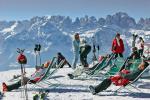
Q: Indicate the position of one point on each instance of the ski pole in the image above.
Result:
(98, 49)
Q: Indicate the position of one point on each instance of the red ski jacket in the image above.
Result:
(119, 80)
(116, 48)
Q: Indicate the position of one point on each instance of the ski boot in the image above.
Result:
(70, 76)
(36, 97)
(42, 96)
(92, 90)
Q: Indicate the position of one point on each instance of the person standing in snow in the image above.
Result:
(118, 46)
(84, 51)
(140, 46)
(76, 48)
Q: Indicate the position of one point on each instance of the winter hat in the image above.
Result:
(140, 38)
(76, 35)
(118, 34)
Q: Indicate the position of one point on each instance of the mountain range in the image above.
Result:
(55, 34)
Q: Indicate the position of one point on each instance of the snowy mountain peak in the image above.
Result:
(54, 34)
(10, 29)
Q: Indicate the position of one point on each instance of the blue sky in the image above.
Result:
(26, 9)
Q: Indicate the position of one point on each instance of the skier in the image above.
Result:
(120, 79)
(140, 46)
(60, 57)
(84, 51)
(33, 79)
(76, 47)
(117, 46)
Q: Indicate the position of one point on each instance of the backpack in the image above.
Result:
(22, 59)
(85, 50)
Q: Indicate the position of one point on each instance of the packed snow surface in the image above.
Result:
(70, 89)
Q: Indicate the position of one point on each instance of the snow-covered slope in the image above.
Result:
(76, 89)
(55, 33)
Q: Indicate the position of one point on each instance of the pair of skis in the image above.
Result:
(37, 50)
(94, 58)
(22, 61)
(134, 40)
(15, 77)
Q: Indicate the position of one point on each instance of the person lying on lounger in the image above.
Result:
(121, 79)
(33, 79)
